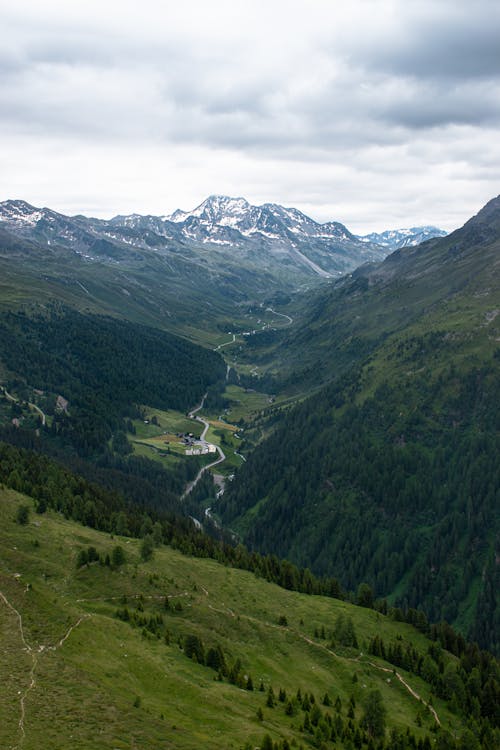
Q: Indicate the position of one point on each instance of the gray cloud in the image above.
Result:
(291, 98)
(451, 40)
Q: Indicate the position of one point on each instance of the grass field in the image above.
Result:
(245, 404)
(77, 676)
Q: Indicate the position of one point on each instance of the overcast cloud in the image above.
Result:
(376, 113)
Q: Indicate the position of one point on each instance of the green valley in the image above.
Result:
(345, 431)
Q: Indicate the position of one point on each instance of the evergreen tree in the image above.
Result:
(270, 697)
(147, 548)
(117, 556)
(22, 515)
(374, 714)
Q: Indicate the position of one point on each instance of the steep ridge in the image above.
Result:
(390, 474)
(348, 319)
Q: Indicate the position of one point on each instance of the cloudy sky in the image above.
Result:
(376, 113)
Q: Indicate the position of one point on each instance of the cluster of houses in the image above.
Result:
(201, 449)
(195, 447)
(187, 438)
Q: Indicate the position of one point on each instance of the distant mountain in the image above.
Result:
(269, 235)
(285, 234)
(208, 266)
(393, 239)
(208, 263)
(260, 247)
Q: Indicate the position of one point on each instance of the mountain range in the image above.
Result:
(393, 239)
(269, 235)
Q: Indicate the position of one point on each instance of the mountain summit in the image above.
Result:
(239, 213)
(275, 221)
(326, 250)
(269, 219)
(393, 239)
(221, 233)
(216, 209)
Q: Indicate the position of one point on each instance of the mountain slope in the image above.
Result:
(208, 264)
(451, 282)
(194, 276)
(390, 474)
(119, 649)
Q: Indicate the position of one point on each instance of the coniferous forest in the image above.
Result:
(389, 491)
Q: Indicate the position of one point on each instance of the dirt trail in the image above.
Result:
(66, 635)
(375, 666)
(315, 644)
(32, 681)
(408, 687)
(34, 654)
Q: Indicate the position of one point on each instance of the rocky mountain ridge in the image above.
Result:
(394, 239)
(267, 235)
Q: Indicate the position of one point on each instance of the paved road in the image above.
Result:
(191, 485)
(282, 315)
(222, 455)
(226, 343)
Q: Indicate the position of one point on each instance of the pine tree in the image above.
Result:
(270, 697)
(374, 714)
(22, 515)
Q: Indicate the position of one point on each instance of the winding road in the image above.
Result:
(222, 456)
(193, 414)
(282, 315)
(226, 343)
(15, 400)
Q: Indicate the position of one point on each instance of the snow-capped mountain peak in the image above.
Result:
(19, 212)
(216, 209)
(393, 239)
(222, 220)
(268, 234)
(268, 220)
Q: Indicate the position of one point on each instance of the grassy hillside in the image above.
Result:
(75, 674)
(448, 285)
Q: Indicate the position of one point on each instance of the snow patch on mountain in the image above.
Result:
(393, 239)
(20, 212)
(267, 236)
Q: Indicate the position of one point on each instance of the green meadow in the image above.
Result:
(74, 674)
